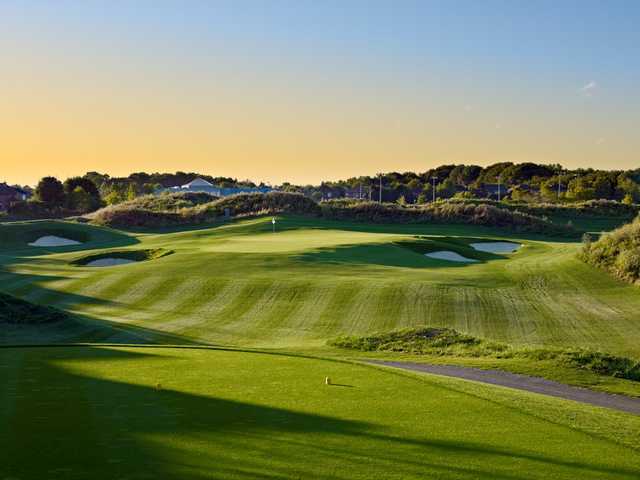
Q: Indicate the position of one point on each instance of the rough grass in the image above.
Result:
(150, 212)
(617, 252)
(16, 311)
(105, 413)
(449, 342)
(163, 211)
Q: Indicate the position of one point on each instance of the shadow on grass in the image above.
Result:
(15, 237)
(404, 254)
(61, 424)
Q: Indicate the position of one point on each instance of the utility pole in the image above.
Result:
(380, 187)
(499, 181)
(559, 179)
(434, 178)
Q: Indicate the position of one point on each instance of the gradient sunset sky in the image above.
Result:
(303, 91)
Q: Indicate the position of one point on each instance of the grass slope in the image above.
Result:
(97, 413)
(17, 311)
(241, 284)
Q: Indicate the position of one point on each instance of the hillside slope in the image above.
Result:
(617, 252)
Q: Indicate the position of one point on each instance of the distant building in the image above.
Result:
(201, 185)
(9, 195)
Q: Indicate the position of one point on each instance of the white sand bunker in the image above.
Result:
(109, 262)
(449, 256)
(496, 247)
(53, 241)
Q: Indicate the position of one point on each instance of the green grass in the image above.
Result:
(95, 412)
(239, 284)
(584, 368)
(84, 412)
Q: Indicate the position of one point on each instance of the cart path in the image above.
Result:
(524, 382)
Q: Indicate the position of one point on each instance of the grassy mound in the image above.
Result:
(16, 311)
(134, 255)
(168, 202)
(17, 235)
(482, 214)
(617, 252)
(449, 342)
(163, 212)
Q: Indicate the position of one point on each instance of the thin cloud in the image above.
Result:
(589, 89)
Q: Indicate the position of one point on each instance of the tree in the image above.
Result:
(132, 192)
(87, 185)
(113, 197)
(50, 191)
(80, 200)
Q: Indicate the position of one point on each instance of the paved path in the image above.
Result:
(525, 382)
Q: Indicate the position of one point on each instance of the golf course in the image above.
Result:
(205, 352)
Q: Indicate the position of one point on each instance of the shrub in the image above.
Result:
(184, 208)
(617, 252)
(440, 212)
(177, 209)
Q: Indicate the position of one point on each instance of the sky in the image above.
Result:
(304, 91)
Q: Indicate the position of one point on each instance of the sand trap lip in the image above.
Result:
(449, 256)
(496, 247)
(109, 262)
(53, 241)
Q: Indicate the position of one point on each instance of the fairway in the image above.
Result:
(239, 284)
(188, 413)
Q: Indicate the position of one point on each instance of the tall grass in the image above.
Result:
(449, 342)
(617, 252)
(166, 211)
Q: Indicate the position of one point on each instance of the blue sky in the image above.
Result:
(394, 85)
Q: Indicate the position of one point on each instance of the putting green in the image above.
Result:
(81, 412)
(240, 284)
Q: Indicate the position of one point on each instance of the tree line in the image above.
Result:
(523, 182)
(505, 181)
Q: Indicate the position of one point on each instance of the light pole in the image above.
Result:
(434, 178)
(559, 183)
(499, 180)
(380, 187)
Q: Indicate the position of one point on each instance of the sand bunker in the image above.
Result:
(109, 262)
(496, 247)
(53, 241)
(449, 256)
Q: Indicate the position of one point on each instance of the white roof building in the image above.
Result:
(197, 183)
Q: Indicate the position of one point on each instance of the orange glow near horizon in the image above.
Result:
(80, 96)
